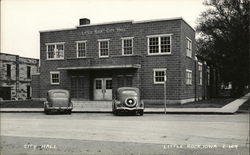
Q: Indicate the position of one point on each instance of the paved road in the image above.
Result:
(89, 133)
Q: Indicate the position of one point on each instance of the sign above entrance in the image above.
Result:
(107, 30)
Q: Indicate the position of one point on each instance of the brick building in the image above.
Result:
(93, 60)
(15, 76)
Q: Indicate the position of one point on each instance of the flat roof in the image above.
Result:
(118, 22)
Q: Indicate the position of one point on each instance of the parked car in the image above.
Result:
(58, 100)
(127, 99)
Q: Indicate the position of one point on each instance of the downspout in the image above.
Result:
(195, 83)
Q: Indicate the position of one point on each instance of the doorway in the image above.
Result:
(103, 89)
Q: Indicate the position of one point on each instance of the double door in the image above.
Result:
(103, 89)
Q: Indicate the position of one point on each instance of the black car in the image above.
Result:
(58, 100)
(127, 99)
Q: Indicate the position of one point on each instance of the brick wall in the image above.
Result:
(176, 63)
(18, 82)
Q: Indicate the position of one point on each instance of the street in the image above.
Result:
(103, 133)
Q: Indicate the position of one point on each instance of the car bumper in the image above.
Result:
(59, 108)
(129, 109)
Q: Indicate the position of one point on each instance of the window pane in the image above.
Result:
(108, 84)
(81, 49)
(159, 76)
(153, 45)
(165, 44)
(98, 84)
(127, 46)
(104, 51)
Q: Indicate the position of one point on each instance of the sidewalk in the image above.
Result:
(106, 107)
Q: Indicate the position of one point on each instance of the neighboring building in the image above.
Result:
(15, 76)
(93, 60)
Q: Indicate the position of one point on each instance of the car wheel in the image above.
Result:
(46, 111)
(141, 112)
(69, 112)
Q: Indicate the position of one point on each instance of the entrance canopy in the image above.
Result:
(135, 66)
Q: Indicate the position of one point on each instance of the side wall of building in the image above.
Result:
(18, 83)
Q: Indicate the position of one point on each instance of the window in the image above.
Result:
(28, 72)
(104, 48)
(200, 72)
(159, 76)
(188, 77)
(208, 76)
(28, 92)
(8, 68)
(108, 84)
(81, 49)
(159, 44)
(188, 47)
(55, 51)
(55, 78)
(127, 46)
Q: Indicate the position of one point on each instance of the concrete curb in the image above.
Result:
(230, 108)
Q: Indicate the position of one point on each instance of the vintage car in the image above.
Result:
(127, 99)
(58, 100)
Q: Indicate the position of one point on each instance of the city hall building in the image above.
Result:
(93, 60)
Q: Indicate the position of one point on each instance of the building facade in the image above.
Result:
(93, 60)
(15, 76)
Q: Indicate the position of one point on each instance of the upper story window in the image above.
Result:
(8, 69)
(188, 47)
(127, 46)
(81, 49)
(208, 75)
(54, 78)
(28, 72)
(188, 77)
(159, 44)
(160, 76)
(55, 51)
(103, 47)
(200, 72)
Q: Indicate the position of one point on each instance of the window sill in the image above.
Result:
(54, 84)
(159, 83)
(159, 54)
(55, 59)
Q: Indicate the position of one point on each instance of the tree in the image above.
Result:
(224, 39)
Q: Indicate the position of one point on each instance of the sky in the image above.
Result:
(21, 20)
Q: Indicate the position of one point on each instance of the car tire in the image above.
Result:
(69, 112)
(141, 112)
(46, 111)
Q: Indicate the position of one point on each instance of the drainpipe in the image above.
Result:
(17, 76)
(195, 83)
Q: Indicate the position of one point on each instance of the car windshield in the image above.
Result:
(128, 92)
(59, 95)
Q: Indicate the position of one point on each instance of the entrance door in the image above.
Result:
(77, 87)
(103, 89)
